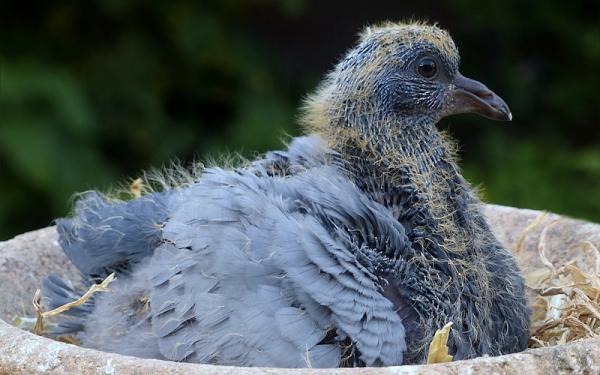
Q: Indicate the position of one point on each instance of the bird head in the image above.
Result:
(399, 75)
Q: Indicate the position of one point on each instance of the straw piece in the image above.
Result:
(136, 187)
(534, 224)
(40, 315)
(542, 246)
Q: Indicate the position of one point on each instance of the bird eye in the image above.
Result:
(427, 67)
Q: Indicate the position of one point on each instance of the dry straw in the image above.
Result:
(41, 315)
(566, 299)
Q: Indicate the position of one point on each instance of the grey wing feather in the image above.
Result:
(272, 233)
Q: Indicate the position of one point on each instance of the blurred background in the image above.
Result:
(92, 93)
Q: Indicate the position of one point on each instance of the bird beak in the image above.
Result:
(470, 96)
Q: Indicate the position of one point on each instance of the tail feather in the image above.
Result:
(106, 235)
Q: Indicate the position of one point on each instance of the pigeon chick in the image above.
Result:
(350, 248)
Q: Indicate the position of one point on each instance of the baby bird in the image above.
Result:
(350, 248)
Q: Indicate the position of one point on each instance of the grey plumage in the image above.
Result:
(349, 248)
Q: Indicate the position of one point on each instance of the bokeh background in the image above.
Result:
(92, 93)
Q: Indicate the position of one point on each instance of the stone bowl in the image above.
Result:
(25, 259)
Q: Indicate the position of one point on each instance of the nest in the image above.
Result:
(565, 300)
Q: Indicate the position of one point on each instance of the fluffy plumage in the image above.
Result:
(350, 248)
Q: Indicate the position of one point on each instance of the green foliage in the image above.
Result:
(91, 94)
(544, 176)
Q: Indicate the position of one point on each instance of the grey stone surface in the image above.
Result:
(25, 259)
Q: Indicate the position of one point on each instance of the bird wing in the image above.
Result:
(251, 275)
(244, 270)
(215, 298)
(106, 235)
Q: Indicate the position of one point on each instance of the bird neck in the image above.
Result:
(386, 151)
(409, 166)
(395, 150)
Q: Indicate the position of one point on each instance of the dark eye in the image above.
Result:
(427, 67)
